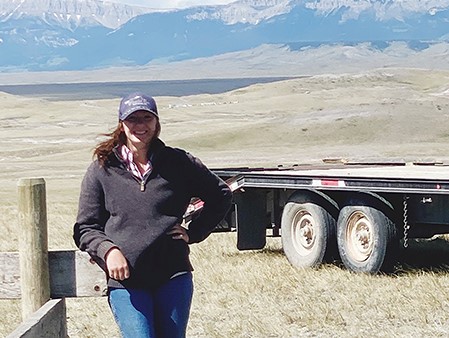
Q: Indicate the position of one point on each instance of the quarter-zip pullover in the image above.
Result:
(116, 210)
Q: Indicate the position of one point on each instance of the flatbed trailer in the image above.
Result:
(357, 213)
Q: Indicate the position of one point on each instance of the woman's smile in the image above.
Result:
(140, 127)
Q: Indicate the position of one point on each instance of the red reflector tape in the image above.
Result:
(333, 183)
(329, 183)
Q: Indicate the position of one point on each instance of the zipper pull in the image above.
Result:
(142, 185)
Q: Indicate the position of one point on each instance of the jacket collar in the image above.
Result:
(156, 146)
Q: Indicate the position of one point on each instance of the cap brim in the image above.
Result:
(129, 112)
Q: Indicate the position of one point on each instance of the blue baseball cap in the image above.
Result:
(134, 102)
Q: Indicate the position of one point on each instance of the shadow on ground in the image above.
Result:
(431, 255)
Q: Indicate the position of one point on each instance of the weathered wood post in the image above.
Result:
(33, 245)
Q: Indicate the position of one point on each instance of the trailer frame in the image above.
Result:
(354, 212)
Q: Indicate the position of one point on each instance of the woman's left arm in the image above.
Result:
(215, 194)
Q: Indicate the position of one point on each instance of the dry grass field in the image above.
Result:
(391, 113)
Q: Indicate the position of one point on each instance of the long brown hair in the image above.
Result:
(115, 138)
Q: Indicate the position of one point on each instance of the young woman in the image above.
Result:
(133, 198)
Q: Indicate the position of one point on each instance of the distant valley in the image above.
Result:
(262, 61)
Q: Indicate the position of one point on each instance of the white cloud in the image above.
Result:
(172, 3)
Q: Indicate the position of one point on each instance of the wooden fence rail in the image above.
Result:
(72, 274)
(48, 321)
(39, 277)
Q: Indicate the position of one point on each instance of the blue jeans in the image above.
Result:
(163, 312)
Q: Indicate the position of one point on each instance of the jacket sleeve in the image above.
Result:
(215, 194)
(88, 231)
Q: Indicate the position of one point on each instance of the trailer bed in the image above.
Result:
(392, 178)
(413, 172)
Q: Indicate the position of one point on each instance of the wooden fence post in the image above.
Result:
(33, 245)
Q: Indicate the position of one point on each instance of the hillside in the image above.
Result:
(399, 114)
(263, 61)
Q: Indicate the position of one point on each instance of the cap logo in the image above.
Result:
(137, 100)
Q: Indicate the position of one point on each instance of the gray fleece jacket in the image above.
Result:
(117, 210)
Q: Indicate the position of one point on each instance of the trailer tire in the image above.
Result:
(308, 230)
(367, 238)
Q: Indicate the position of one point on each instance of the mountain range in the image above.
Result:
(48, 35)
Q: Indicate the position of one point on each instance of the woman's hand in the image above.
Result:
(117, 265)
(179, 232)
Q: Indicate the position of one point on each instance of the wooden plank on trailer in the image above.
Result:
(72, 274)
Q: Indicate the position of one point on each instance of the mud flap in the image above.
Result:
(252, 220)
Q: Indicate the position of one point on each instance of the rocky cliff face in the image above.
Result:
(83, 34)
(70, 14)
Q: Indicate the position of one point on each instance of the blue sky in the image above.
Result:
(172, 3)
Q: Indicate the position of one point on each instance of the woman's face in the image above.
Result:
(140, 128)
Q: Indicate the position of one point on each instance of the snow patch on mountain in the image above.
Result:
(71, 14)
(86, 34)
(245, 11)
(383, 10)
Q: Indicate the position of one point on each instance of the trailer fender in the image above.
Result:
(308, 228)
(371, 198)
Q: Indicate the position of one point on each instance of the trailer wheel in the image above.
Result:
(367, 239)
(308, 232)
